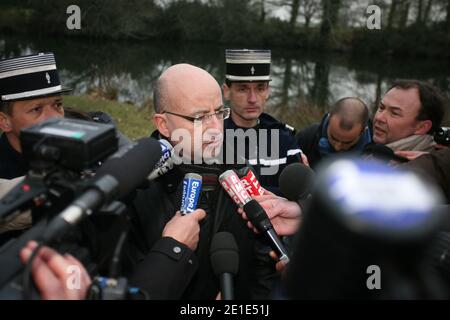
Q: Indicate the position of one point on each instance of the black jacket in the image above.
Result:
(259, 154)
(154, 206)
(12, 164)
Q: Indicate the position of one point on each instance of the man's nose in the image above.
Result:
(215, 123)
(380, 116)
(252, 96)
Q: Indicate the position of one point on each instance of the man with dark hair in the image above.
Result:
(407, 116)
(247, 89)
(344, 129)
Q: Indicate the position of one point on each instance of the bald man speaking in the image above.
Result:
(189, 113)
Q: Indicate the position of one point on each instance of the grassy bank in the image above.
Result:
(136, 122)
(132, 121)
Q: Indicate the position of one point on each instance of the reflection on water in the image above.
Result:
(303, 86)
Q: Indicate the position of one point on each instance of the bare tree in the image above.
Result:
(308, 10)
(295, 6)
(426, 14)
(447, 18)
(419, 17)
(406, 5)
(330, 14)
(392, 14)
(262, 16)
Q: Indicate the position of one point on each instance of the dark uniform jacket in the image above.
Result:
(313, 142)
(259, 154)
(12, 164)
(194, 279)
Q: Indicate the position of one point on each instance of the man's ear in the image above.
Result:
(5, 122)
(226, 91)
(423, 127)
(160, 122)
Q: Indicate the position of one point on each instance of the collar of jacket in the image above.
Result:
(265, 120)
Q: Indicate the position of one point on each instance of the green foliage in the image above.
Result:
(239, 23)
(191, 21)
(230, 22)
(15, 20)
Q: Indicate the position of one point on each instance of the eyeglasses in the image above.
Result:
(221, 114)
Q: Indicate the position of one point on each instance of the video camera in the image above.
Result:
(442, 136)
(62, 155)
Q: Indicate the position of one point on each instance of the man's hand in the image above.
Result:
(304, 159)
(281, 264)
(285, 215)
(410, 155)
(440, 146)
(56, 275)
(185, 228)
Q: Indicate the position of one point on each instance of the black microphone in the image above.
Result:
(439, 255)
(261, 222)
(115, 179)
(366, 216)
(296, 181)
(224, 254)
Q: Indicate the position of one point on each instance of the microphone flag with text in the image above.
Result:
(258, 217)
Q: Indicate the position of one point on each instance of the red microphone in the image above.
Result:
(233, 186)
(258, 217)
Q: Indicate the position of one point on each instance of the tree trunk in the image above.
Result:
(325, 27)
(320, 90)
(378, 92)
(262, 17)
(307, 20)
(330, 14)
(295, 6)
(419, 12)
(426, 14)
(286, 82)
(392, 14)
(405, 13)
(447, 20)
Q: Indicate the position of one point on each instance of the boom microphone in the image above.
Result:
(116, 178)
(258, 217)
